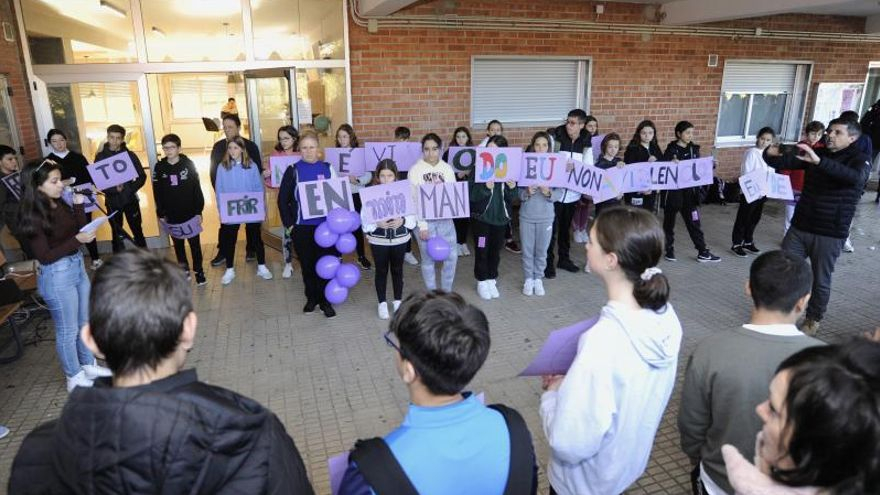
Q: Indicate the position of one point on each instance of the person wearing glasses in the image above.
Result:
(448, 436)
(53, 230)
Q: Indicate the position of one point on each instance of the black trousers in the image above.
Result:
(487, 257)
(462, 225)
(132, 213)
(747, 217)
(195, 248)
(682, 202)
(308, 253)
(359, 233)
(640, 200)
(229, 234)
(389, 258)
(248, 247)
(561, 233)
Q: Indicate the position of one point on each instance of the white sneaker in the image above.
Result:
(228, 276)
(264, 272)
(587, 267)
(493, 289)
(288, 271)
(395, 306)
(409, 258)
(539, 287)
(383, 311)
(94, 371)
(97, 264)
(848, 247)
(529, 287)
(78, 380)
(483, 289)
(463, 250)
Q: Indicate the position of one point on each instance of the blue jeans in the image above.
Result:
(65, 287)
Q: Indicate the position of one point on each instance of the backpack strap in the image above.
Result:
(522, 476)
(378, 466)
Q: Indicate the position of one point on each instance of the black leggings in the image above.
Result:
(308, 252)
(229, 236)
(487, 257)
(195, 248)
(359, 233)
(389, 257)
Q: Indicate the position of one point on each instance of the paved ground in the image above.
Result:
(331, 382)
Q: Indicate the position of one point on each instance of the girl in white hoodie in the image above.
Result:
(749, 214)
(601, 417)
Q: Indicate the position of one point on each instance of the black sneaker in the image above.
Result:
(739, 251)
(310, 307)
(568, 266)
(218, 260)
(549, 274)
(513, 247)
(250, 257)
(364, 263)
(707, 257)
(328, 310)
(200, 279)
(750, 247)
(670, 255)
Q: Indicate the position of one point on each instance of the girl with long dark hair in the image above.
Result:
(643, 147)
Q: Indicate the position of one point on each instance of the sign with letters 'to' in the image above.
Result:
(113, 171)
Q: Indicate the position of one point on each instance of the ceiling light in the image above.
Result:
(112, 9)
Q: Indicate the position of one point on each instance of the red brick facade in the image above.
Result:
(12, 66)
(421, 77)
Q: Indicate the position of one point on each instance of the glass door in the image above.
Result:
(270, 94)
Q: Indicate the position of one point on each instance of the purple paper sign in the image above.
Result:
(586, 179)
(664, 176)
(278, 164)
(753, 185)
(13, 183)
(317, 198)
(113, 171)
(558, 352)
(698, 172)
(543, 169)
(636, 177)
(611, 186)
(779, 187)
(404, 154)
(596, 144)
(89, 191)
(185, 230)
(444, 200)
(498, 164)
(462, 158)
(241, 207)
(346, 161)
(385, 201)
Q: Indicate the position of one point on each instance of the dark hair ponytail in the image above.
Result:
(635, 236)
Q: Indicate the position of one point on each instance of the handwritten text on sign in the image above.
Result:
(241, 207)
(444, 200)
(404, 154)
(497, 164)
(543, 169)
(185, 230)
(760, 183)
(113, 171)
(316, 198)
(278, 164)
(346, 161)
(386, 201)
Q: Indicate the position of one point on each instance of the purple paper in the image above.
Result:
(753, 185)
(543, 169)
(779, 187)
(385, 201)
(444, 200)
(596, 143)
(13, 183)
(558, 352)
(113, 171)
(664, 176)
(91, 202)
(278, 164)
(241, 207)
(346, 161)
(185, 230)
(636, 177)
(498, 164)
(462, 158)
(317, 198)
(698, 172)
(337, 465)
(404, 154)
(612, 185)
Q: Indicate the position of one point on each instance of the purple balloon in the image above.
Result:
(324, 237)
(348, 275)
(327, 266)
(335, 293)
(355, 220)
(339, 221)
(346, 243)
(438, 248)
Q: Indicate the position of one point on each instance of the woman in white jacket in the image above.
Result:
(601, 417)
(749, 214)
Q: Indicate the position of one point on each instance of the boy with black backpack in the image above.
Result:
(449, 442)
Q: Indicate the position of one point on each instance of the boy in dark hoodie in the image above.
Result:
(123, 198)
(179, 198)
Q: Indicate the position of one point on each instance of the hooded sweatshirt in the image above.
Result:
(601, 422)
(114, 198)
(424, 173)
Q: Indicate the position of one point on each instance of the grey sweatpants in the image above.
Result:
(446, 230)
(822, 252)
(535, 239)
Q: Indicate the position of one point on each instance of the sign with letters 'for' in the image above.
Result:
(113, 171)
(241, 207)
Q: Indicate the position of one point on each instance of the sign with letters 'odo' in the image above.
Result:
(241, 207)
(113, 171)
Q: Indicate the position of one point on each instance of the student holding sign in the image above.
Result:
(608, 159)
(749, 214)
(461, 136)
(288, 144)
(73, 166)
(491, 207)
(600, 418)
(643, 148)
(346, 138)
(536, 215)
(10, 196)
(178, 196)
(53, 230)
(123, 198)
(238, 173)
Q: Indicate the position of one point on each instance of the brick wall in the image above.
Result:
(421, 77)
(12, 66)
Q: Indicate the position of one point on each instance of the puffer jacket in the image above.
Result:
(832, 189)
(119, 199)
(175, 435)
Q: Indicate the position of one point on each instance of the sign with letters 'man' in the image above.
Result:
(113, 171)
(386, 201)
(444, 200)
(317, 198)
(241, 207)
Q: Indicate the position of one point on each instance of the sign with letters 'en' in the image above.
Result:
(497, 164)
(404, 154)
(241, 207)
(317, 198)
(346, 161)
(760, 183)
(444, 200)
(113, 171)
(278, 164)
(185, 230)
(386, 201)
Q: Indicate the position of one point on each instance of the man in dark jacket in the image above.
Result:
(153, 428)
(123, 198)
(834, 179)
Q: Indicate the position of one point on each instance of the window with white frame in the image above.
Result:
(759, 94)
(193, 97)
(523, 91)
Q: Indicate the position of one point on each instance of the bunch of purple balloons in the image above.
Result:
(337, 230)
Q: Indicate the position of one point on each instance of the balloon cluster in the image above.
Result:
(337, 231)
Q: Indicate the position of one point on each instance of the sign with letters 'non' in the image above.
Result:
(113, 171)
